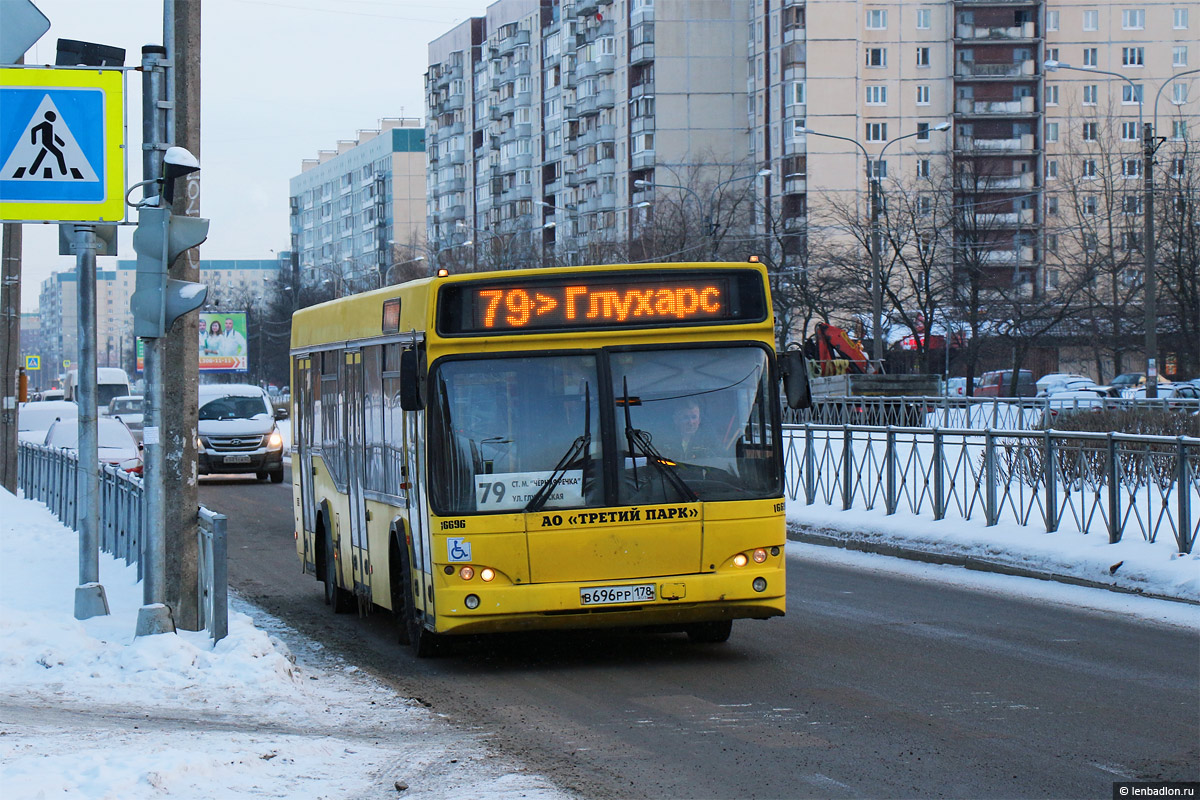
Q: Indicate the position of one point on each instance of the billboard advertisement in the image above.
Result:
(222, 344)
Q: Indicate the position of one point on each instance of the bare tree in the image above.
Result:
(1178, 250)
(1093, 235)
(994, 274)
(918, 258)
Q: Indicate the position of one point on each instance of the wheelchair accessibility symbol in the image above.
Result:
(458, 549)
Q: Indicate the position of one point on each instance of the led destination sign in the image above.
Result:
(602, 300)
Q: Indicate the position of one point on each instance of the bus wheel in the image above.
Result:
(424, 642)
(335, 596)
(401, 603)
(710, 632)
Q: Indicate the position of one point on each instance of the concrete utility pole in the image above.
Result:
(181, 31)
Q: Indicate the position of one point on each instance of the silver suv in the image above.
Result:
(237, 432)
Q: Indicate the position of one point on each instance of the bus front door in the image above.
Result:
(360, 557)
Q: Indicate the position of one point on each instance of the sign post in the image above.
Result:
(62, 159)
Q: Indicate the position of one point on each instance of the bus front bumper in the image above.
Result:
(678, 600)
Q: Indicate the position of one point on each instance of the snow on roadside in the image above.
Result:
(87, 710)
(1153, 568)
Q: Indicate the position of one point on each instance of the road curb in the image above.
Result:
(847, 540)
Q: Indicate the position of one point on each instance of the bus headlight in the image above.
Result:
(466, 573)
(472, 601)
(760, 555)
(760, 584)
(740, 560)
(487, 574)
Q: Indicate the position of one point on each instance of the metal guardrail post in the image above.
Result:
(847, 467)
(889, 464)
(1050, 475)
(1114, 495)
(810, 466)
(1184, 535)
(939, 476)
(991, 512)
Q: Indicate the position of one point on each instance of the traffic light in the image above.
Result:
(160, 238)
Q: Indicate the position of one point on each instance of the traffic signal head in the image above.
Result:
(160, 238)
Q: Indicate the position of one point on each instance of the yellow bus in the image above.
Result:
(543, 449)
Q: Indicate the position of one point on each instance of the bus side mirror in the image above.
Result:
(794, 372)
(412, 379)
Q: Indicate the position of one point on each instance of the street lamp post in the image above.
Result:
(387, 277)
(876, 265)
(1150, 146)
(710, 211)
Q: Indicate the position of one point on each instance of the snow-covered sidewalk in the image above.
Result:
(88, 711)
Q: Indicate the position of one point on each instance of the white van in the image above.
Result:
(110, 382)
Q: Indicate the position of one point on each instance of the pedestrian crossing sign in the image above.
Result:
(62, 144)
(33, 362)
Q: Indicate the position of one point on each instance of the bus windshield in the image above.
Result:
(682, 425)
(694, 424)
(500, 428)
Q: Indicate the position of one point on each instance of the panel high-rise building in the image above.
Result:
(560, 121)
(358, 212)
(543, 116)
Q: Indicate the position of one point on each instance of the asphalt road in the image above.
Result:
(872, 686)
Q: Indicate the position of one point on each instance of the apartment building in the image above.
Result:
(551, 123)
(883, 76)
(561, 121)
(359, 210)
(232, 283)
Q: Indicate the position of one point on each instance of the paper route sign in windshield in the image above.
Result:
(512, 491)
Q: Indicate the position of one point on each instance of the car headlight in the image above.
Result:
(274, 441)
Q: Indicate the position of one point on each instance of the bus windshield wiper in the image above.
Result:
(578, 449)
(639, 440)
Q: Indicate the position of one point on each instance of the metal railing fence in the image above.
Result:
(48, 474)
(1001, 413)
(1110, 482)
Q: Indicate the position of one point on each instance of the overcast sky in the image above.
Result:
(281, 80)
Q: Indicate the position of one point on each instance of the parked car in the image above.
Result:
(1055, 381)
(237, 432)
(130, 409)
(34, 419)
(998, 383)
(1129, 380)
(1091, 398)
(1176, 395)
(52, 394)
(115, 443)
(956, 387)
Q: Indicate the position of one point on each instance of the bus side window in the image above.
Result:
(393, 424)
(373, 415)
